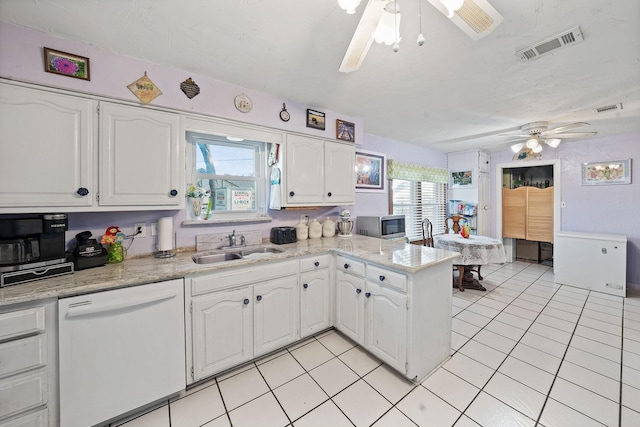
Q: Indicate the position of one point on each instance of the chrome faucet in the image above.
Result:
(233, 242)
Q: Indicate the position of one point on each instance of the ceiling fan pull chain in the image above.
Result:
(420, 36)
(396, 30)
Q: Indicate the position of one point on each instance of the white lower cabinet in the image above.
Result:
(222, 331)
(316, 294)
(350, 305)
(402, 318)
(240, 314)
(370, 313)
(28, 359)
(386, 324)
(275, 314)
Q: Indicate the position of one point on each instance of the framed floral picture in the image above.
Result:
(66, 64)
(370, 171)
(463, 178)
(607, 173)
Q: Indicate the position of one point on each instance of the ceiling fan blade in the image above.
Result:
(363, 36)
(573, 135)
(477, 18)
(513, 135)
(563, 128)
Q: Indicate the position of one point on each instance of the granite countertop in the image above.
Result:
(148, 269)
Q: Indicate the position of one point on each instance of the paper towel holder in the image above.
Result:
(165, 238)
(165, 254)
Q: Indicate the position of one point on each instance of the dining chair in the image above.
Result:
(455, 223)
(427, 233)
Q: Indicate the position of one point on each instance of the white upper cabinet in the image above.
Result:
(339, 166)
(46, 150)
(58, 152)
(318, 172)
(140, 157)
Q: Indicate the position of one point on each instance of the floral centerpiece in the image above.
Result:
(112, 239)
(195, 195)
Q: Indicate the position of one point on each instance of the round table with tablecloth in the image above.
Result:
(475, 251)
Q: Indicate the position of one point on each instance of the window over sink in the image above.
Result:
(232, 171)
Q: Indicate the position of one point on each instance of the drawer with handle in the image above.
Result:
(349, 265)
(387, 278)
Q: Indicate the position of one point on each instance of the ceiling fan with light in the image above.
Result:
(380, 21)
(535, 133)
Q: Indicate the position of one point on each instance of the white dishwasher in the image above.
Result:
(120, 350)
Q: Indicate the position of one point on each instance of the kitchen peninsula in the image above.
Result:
(393, 299)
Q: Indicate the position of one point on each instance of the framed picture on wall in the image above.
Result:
(463, 178)
(315, 119)
(66, 64)
(345, 130)
(370, 171)
(607, 173)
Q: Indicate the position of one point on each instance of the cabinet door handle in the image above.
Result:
(82, 191)
(173, 193)
(291, 193)
(259, 297)
(368, 294)
(381, 278)
(306, 285)
(346, 266)
(329, 194)
(246, 301)
(317, 264)
(358, 290)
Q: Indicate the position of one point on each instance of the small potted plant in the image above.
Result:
(195, 195)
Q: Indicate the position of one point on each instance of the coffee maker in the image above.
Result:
(32, 246)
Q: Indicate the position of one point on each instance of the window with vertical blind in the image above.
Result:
(418, 192)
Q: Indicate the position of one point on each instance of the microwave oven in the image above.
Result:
(384, 227)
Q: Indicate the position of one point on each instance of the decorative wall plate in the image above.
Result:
(243, 103)
(145, 89)
(190, 88)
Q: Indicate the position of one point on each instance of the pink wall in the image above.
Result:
(608, 209)
(22, 59)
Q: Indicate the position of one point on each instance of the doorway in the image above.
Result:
(509, 243)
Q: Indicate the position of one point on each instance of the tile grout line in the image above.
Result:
(547, 397)
(621, 363)
(507, 355)
(562, 359)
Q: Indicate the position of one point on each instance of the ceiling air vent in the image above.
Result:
(608, 108)
(544, 47)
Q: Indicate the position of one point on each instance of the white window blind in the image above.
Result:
(418, 200)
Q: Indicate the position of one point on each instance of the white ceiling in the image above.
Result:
(452, 94)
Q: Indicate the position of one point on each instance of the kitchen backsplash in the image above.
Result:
(207, 242)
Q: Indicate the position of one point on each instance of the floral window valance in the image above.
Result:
(416, 172)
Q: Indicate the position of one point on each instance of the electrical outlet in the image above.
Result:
(143, 229)
(154, 229)
(304, 218)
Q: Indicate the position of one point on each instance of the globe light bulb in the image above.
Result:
(420, 39)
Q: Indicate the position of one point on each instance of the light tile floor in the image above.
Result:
(526, 352)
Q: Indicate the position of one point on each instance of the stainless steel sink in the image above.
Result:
(212, 258)
(261, 250)
(216, 257)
